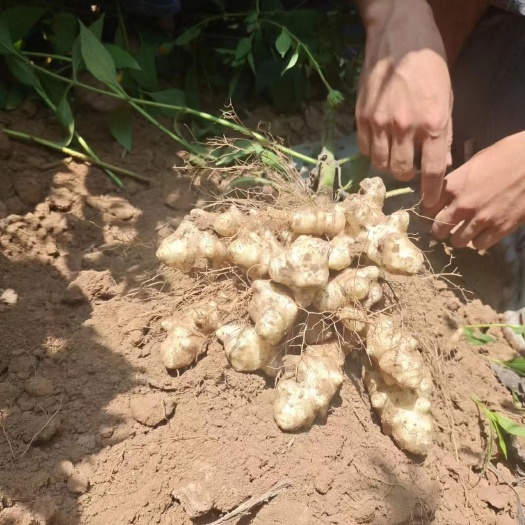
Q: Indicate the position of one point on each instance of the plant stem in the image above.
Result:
(400, 191)
(75, 154)
(182, 109)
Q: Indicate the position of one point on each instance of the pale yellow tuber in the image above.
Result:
(272, 310)
(351, 285)
(253, 252)
(303, 267)
(247, 351)
(310, 382)
(228, 223)
(395, 352)
(316, 221)
(187, 335)
(187, 247)
(387, 244)
(343, 250)
(405, 414)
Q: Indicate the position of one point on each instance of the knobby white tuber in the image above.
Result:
(351, 285)
(388, 245)
(247, 351)
(405, 414)
(253, 252)
(343, 250)
(188, 246)
(187, 335)
(319, 222)
(310, 382)
(309, 259)
(303, 267)
(399, 386)
(272, 310)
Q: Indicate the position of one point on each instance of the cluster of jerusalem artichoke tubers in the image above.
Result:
(315, 270)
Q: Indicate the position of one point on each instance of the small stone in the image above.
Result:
(121, 209)
(21, 366)
(151, 409)
(61, 199)
(77, 483)
(323, 481)
(195, 500)
(492, 495)
(105, 431)
(9, 296)
(39, 386)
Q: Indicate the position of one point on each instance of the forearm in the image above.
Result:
(456, 20)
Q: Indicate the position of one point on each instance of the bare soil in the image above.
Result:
(94, 431)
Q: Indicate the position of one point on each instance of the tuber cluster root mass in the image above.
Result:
(314, 276)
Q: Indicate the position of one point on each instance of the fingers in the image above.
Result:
(380, 149)
(433, 167)
(446, 220)
(467, 232)
(489, 237)
(402, 157)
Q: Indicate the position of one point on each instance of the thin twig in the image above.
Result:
(253, 502)
(400, 191)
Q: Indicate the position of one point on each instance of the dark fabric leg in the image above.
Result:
(489, 84)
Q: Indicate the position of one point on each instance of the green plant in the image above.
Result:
(47, 52)
(476, 334)
(499, 426)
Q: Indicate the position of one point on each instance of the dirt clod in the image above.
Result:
(323, 481)
(22, 366)
(61, 199)
(195, 499)
(39, 386)
(151, 409)
(77, 483)
(9, 296)
(494, 496)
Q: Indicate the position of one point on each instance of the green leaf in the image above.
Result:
(501, 439)
(97, 27)
(188, 36)
(292, 61)
(251, 61)
(20, 20)
(172, 97)
(283, 42)
(22, 71)
(243, 48)
(97, 59)
(76, 55)
(477, 338)
(121, 57)
(520, 330)
(147, 76)
(64, 27)
(6, 45)
(65, 116)
(517, 364)
(509, 426)
(120, 123)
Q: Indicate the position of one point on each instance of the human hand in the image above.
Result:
(404, 102)
(483, 200)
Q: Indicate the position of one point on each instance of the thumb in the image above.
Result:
(449, 142)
